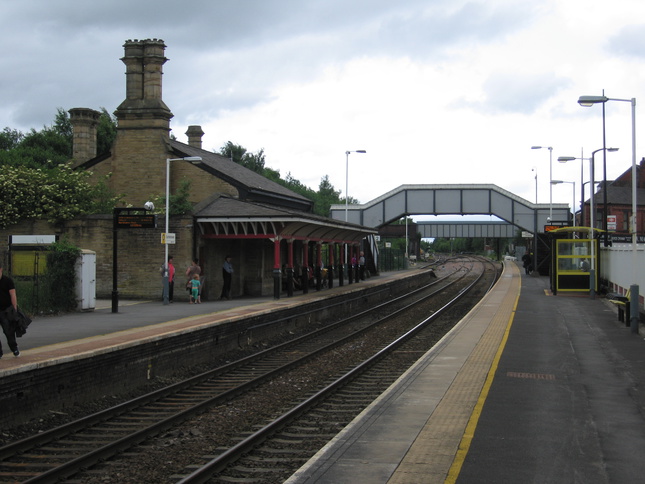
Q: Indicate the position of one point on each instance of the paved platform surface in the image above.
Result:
(54, 339)
(529, 387)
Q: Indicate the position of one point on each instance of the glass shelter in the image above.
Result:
(575, 260)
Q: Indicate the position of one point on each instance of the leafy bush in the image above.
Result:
(52, 194)
(60, 279)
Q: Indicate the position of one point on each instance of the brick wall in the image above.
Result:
(139, 251)
(140, 255)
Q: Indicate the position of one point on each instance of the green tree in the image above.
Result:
(178, 203)
(105, 132)
(9, 139)
(36, 180)
(326, 196)
(55, 195)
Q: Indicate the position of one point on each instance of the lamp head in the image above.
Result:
(613, 149)
(556, 182)
(588, 101)
(564, 159)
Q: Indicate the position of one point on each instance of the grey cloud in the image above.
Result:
(516, 93)
(630, 41)
(224, 54)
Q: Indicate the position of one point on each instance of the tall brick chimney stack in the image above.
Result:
(195, 134)
(143, 106)
(84, 122)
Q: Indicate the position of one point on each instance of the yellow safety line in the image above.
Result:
(469, 432)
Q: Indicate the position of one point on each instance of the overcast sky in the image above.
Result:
(436, 91)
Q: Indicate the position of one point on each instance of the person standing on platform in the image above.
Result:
(361, 266)
(8, 311)
(354, 269)
(190, 272)
(170, 268)
(227, 274)
(194, 296)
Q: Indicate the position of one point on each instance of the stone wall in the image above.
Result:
(139, 251)
(140, 255)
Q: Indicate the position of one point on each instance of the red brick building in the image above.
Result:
(619, 204)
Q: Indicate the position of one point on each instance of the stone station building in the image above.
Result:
(270, 231)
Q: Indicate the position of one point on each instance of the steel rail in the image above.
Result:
(109, 450)
(216, 465)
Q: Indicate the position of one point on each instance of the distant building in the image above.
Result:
(619, 204)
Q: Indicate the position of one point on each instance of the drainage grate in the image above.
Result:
(532, 376)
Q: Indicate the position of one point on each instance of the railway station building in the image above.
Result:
(271, 233)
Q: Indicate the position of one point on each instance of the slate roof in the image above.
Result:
(251, 185)
(618, 195)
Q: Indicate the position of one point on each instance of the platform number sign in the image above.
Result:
(168, 238)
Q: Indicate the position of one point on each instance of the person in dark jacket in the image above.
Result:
(526, 262)
(227, 275)
(8, 311)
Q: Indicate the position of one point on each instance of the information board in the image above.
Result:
(126, 221)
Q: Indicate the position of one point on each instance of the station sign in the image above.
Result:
(128, 221)
(611, 223)
(555, 226)
(168, 238)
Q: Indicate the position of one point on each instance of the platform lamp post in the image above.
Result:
(347, 177)
(634, 305)
(573, 204)
(192, 159)
(592, 217)
(347, 191)
(550, 148)
(564, 159)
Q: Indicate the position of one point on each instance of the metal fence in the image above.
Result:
(391, 259)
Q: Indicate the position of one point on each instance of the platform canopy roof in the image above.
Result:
(226, 217)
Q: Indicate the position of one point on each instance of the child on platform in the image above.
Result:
(194, 290)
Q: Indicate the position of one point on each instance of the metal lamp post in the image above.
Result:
(634, 303)
(347, 177)
(347, 192)
(573, 204)
(550, 148)
(564, 159)
(192, 159)
(592, 216)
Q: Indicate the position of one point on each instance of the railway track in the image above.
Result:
(275, 451)
(61, 453)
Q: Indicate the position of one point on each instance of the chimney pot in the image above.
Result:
(195, 134)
